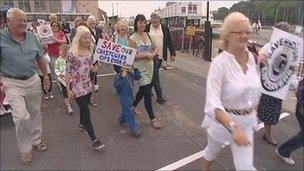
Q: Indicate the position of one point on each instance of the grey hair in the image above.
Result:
(284, 26)
(10, 12)
(154, 14)
(91, 17)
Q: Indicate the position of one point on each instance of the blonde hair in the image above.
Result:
(80, 31)
(53, 17)
(121, 22)
(229, 22)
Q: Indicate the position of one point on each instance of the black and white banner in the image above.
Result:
(284, 51)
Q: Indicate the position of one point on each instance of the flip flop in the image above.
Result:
(94, 103)
(41, 146)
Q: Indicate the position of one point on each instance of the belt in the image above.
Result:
(240, 111)
(25, 77)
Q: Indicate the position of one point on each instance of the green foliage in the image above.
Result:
(268, 12)
(221, 13)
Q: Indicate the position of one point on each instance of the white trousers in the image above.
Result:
(242, 155)
(24, 96)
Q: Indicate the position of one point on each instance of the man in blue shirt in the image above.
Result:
(20, 53)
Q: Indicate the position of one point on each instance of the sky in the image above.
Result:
(132, 8)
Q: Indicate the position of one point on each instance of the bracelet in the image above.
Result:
(46, 77)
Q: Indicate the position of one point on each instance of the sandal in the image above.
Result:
(94, 103)
(137, 111)
(41, 146)
(156, 124)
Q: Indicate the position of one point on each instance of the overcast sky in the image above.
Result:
(132, 8)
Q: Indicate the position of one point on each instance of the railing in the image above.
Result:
(182, 41)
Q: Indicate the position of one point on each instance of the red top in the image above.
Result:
(53, 49)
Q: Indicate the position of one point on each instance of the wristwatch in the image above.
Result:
(231, 126)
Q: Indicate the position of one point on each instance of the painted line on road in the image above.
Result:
(198, 155)
(112, 74)
(182, 162)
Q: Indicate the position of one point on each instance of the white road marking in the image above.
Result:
(182, 162)
(198, 155)
(111, 74)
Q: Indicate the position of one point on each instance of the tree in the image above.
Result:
(221, 13)
(268, 12)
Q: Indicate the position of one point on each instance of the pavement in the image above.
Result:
(177, 145)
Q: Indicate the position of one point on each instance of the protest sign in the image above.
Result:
(113, 53)
(285, 51)
(45, 34)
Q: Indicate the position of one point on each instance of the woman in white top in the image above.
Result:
(232, 95)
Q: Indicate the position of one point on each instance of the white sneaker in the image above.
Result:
(287, 160)
(70, 110)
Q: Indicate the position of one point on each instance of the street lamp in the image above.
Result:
(113, 8)
(208, 37)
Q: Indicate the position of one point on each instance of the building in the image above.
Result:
(53, 6)
(86, 6)
(182, 14)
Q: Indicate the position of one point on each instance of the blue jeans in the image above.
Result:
(298, 140)
(127, 115)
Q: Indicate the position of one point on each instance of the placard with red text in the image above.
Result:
(113, 53)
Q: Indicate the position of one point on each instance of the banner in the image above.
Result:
(114, 53)
(45, 34)
(285, 51)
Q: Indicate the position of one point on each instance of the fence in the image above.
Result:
(182, 41)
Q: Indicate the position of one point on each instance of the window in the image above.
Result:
(21, 4)
(8, 3)
(183, 10)
(38, 3)
(194, 8)
(189, 9)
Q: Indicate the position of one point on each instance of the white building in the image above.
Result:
(181, 14)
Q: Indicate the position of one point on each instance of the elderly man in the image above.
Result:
(20, 52)
(161, 38)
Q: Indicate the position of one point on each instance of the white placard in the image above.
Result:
(114, 53)
(285, 51)
(45, 34)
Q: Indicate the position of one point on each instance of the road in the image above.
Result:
(181, 137)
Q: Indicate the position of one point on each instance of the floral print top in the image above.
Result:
(78, 68)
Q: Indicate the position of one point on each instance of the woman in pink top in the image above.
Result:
(53, 49)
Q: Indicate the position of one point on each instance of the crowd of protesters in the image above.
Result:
(69, 62)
